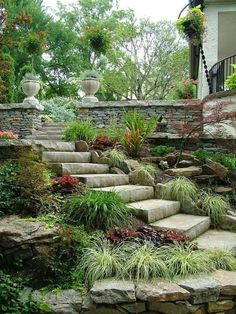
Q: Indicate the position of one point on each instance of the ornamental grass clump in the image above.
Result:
(222, 259)
(180, 189)
(145, 264)
(144, 168)
(101, 261)
(79, 130)
(184, 260)
(117, 157)
(97, 210)
(214, 206)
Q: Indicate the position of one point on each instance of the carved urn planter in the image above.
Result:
(30, 86)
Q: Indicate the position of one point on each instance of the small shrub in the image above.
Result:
(102, 142)
(145, 264)
(8, 135)
(77, 130)
(231, 80)
(214, 206)
(119, 235)
(101, 261)
(184, 260)
(222, 259)
(185, 90)
(180, 189)
(146, 168)
(117, 157)
(97, 210)
(59, 109)
(161, 150)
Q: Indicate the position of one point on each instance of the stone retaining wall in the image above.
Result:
(174, 112)
(214, 293)
(22, 119)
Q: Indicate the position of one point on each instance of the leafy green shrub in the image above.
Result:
(79, 130)
(97, 210)
(59, 109)
(115, 132)
(117, 157)
(145, 264)
(146, 168)
(184, 260)
(161, 150)
(214, 206)
(222, 259)
(228, 160)
(231, 80)
(180, 189)
(184, 90)
(10, 302)
(9, 187)
(101, 261)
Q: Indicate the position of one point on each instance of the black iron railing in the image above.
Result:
(219, 73)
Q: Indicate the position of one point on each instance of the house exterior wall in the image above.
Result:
(211, 42)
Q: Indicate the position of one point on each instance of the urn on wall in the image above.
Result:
(90, 85)
(30, 86)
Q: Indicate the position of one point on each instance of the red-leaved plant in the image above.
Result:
(102, 142)
(8, 135)
(65, 184)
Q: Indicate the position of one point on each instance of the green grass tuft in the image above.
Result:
(146, 168)
(222, 259)
(117, 157)
(79, 130)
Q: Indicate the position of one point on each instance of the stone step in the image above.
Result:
(66, 157)
(53, 132)
(79, 168)
(54, 125)
(131, 193)
(48, 137)
(217, 239)
(153, 209)
(47, 145)
(103, 180)
(192, 226)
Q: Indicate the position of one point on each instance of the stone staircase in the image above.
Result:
(159, 214)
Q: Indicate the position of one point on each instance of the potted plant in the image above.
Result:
(90, 85)
(192, 26)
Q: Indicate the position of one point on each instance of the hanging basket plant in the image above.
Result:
(192, 26)
(98, 39)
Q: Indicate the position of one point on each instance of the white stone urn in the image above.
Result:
(30, 86)
(90, 86)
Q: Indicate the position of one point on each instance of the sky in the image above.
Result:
(154, 9)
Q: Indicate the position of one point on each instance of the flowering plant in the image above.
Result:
(8, 135)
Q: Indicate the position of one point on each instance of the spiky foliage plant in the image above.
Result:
(214, 206)
(117, 157)
(97, 210)
(101, 261)
(184, 260)
(222, 259)
(79, 130)
(180, 189)
(145, 264)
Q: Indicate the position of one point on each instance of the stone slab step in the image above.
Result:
(79, 168)
(48, 137)
(54, 124)
(103, 180)
(66, 157)
(153, 209)
(192, 226)
(131, 193)
(220, 239)
(47, 145)
(53, 132)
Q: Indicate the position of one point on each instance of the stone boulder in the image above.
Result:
(141, 178)
(184, 172)
(220, 170)
(228, 222)
(22, 238)
(81, 146)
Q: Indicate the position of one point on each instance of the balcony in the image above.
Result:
(219, 73)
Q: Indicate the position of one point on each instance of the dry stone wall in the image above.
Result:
(101, 113)
(22, 119)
